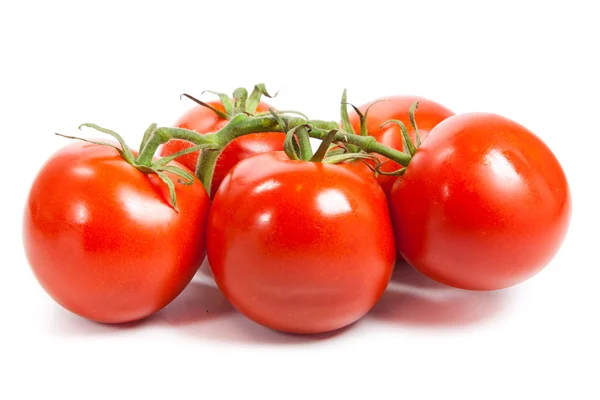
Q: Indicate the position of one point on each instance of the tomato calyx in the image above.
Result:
(242, 121)
(410, 148)
(362, 117)
(297, 144)
(240, 103)
(224, 101)
(411, 115)
(141, 162)
(297, 140)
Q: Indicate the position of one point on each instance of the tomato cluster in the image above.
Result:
(296, 241)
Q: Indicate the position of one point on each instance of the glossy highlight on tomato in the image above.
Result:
(284, 247)
(428, 115)
(103, 239)
(203, 120)
(483, 205)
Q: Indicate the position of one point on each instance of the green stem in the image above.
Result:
(322, 150)
(205, 168)
(163, 135)
(184, 134)
(366, 143)
(243, 124)
(304, 143)
(149, 149)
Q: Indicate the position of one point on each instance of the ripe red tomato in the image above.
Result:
(283, 245)
(103, 239)
(203, 120)
(429, 114)
(483, 205)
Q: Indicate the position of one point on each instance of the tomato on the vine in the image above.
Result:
(204, 120)
(484, 204)
(103, 238)
(284, 247)
(429, 114)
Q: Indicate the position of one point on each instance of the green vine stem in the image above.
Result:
(211, 145)
(163, 135)
(243, 120)
(367, 144)
(205, 168)
(243, 124)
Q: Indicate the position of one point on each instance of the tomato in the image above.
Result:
(103, 239)
(283, 246)
(428, 115)
(204, 120)
(483, 205)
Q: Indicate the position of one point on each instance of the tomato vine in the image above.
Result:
(243, 121)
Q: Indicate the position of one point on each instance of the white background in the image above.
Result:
(123, 65)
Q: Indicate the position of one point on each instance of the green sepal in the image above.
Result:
(220, 113)
(147, 135)
(90, 141)
(411, 115)
(337, 152)
(282, 123)
(127, 154)
(363, 118)
(240, 96)
(397, 172)
(335, 159)
(290, 147)
(408, 144)
(225, 100)
(158, 167)
(187, 177)
(346, 125)
(304, 145)
(145, 169)
(297, 143)
(324, 146)
(167, 159)
(163, 177)
(283, 112)
(254, 98)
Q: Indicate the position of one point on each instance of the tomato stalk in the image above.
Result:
(240, 110)
(246, 124)
(408, 144)
(244, 121)
(205, 168)
(163, 135)
(243, 124)
(212, 144)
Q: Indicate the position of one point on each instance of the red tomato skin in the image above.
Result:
(204, 120)
(283, 245)
(427, 116)
(102, 238)
(483, 205)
